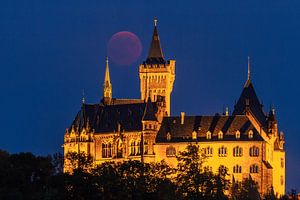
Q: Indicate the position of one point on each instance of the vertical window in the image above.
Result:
(222, 151)
(170, 151)
(237, 151)
(146, 147)
(237, 169)
(168, 136)
(254, 168)
(250, 134)
(237, 134)
(220, 135)
(106, 150)
(254, 151)
(208, 135)
(194, 135)
(208, 151)
(132, 148)
(282, 162)
(138, 148)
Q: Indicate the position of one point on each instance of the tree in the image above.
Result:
(79, 161)
(246, 190)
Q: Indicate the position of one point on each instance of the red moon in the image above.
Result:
(124, 48)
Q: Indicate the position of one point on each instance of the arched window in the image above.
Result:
(254, 151)
(208, 151)
(254, 168)
(106, 150)
(132, 148)
(138, 148)
(170, 151)
(194, 135)
(222, 151)
(237, 169)
(250, 134)
(119, 149)
(146, 147)
(168, 136)
(237, 134)
(208, 135)
(220, 135)
(237, 151)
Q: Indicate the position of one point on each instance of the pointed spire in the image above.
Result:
(155, 54)
(248, 77)
(107, 87)
(83, 97)
(107, 76)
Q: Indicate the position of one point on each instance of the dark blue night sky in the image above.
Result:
(51, 50)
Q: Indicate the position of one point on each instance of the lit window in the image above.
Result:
(208, 168)
(237, 169)
(208, 151)
(132, 148)
(237, 151)
(222, 151)
(220, 135)
(254, 168)
(170, 151)
(254, 151)
(250, 134)
(106, 150)
(208, 135)
(237, 135)
(146, 147)
(168, 136)
(194, 135)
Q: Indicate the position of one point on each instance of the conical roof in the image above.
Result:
(155, 54)
(249, 99)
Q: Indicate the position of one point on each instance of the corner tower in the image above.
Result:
(156, 74)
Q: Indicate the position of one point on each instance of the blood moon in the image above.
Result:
(124, 48)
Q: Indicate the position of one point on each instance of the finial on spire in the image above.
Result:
(155, 21)
(106, 60)
(83, 98)
(248, 68)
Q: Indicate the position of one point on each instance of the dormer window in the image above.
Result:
(250, 134)
(208, 135)
(168, 136)
(237, 134)
(194, 135)
(220, 135)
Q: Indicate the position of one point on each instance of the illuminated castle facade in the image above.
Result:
(247, 141)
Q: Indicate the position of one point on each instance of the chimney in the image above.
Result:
(182, 117)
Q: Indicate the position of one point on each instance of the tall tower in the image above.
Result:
(107, 87)
(156, 74)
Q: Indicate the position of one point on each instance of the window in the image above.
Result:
(168, 136)
(282, 162)
(106, 150)
(208, 135)
(237, 169)
(250, 134)
(254, 168)
(220, 135)
(171, 151)
(237, 151)
(146, 147)
(194, 135)
(119, 153)
(208, 151)
(208, 168)
(132, 148)
(237, 135)
(281, 180)
(222, 151)
(254, 151)
(138, 148)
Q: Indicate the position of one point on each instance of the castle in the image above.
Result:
(246, 141)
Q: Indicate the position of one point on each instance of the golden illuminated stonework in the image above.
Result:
(247, 142)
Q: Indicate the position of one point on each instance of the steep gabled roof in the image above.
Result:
(105, 118)
(249, 100)
(229, 125)
(155, 54)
